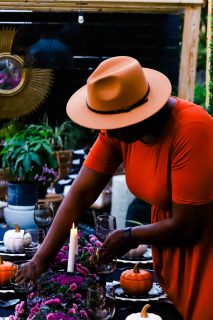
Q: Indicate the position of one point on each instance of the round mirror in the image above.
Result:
(12, 74)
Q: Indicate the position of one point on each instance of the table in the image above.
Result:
(163, 308)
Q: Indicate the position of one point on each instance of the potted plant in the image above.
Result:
(26, 154)
(57, 135)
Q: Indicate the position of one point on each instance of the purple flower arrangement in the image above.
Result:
(47, 176)
(61, 295)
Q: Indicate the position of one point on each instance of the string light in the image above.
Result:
(80, 17)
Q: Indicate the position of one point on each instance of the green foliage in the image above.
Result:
(67, 135)
(210, 110)
(211, 76)
(57, 136)
(201, 60)
(200, 94)
(9, 129)
(26, 153)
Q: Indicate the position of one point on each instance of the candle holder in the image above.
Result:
(101, 302)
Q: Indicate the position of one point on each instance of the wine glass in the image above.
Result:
(104, 225)
(37, 236)
(22, 288)
(43, 215)
(104, 270)
(101, 302)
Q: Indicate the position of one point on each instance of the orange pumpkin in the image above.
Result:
(136, 281)
(6, 268)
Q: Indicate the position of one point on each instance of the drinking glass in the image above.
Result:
(104, 225)
(43, 214)
(38, 236)
(21, 288)
(104, 270)
(101, 302)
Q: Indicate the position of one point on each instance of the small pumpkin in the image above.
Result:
(144, 315)
(137, 252)
(136, 281)
(6, 268)
(16, 239)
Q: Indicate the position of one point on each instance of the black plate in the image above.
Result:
(9, 255)
(146, 258)
(156, 293)
(7, 292)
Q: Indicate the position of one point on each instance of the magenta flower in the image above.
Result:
(73, 287)
(52, 301)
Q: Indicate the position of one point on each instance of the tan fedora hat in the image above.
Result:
(119, 93)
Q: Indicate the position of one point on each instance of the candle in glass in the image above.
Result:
(72, 248)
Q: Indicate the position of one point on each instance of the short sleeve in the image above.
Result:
(104, 156)
(192, 164)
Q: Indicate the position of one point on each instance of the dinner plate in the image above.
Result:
(8, 303)
(7, 292)
(156, 293)
(145, 258)
(7, 254)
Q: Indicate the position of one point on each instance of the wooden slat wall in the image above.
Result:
(154, 39)
(191, 8)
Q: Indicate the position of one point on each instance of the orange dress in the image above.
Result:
(178, 168)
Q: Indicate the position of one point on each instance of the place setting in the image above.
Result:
(78, 270)
(22, 242)
(11, 292)
(17, 247)
(127, 269)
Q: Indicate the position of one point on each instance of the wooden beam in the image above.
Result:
(192, 9)
(208, 49)
(97, 5)
(189, 51)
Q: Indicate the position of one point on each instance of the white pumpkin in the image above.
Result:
(15, 240)
(137, 252)
(144, 315)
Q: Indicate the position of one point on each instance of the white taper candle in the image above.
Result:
(72, 248)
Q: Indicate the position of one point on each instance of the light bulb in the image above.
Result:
(80, 18)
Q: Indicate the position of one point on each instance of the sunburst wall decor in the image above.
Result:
(22, 90)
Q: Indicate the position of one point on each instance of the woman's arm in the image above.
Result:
(186, 226)
(83, 192)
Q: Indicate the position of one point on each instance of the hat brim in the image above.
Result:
(160, 91)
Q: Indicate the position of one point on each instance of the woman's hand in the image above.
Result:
(117, 244)
(29, 271)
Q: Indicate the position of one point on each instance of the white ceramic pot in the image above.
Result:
(24, 218)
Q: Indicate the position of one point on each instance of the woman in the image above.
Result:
(166, 146)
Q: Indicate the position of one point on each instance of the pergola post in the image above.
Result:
(188, 61)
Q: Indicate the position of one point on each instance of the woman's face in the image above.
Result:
(127, 134)
(150, 128)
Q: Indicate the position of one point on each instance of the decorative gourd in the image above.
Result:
(137, 252)
(15, 240)
(136, 281)
(143, 315)
(6, 268)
